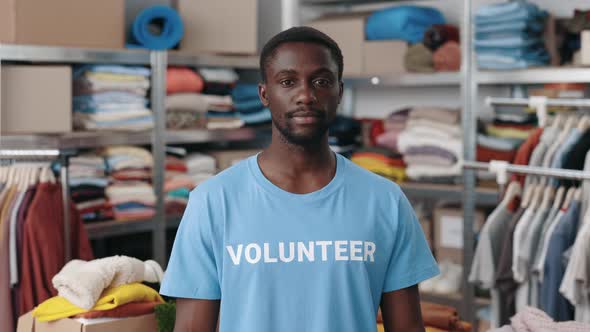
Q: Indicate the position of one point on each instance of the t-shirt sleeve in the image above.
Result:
(411, 260)
(192, 270)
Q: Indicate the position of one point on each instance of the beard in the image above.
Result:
(309, 138)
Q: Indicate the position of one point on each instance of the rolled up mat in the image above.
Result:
(419, 59)
(172, 29)
(447, 57)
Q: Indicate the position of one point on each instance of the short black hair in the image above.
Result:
(300, 34)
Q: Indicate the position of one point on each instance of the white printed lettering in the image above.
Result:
(256, 258)
(370, 251)
(308, 252)
(282, 256)
(340, 248)
(235, 257)
(267, 258)
(324, 245)
(356, 250)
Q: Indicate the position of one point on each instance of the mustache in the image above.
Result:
(307, 111)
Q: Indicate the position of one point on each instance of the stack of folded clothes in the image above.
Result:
(432, 145)
(344, 135)
(510, 36)
(131, 193)
(220, 83)
(248, 106)
(109, 287)
(381, 161)
(185, 106)
(87, 180)
(111, 98)
(200, 167)
(177, 185)
(393, 125)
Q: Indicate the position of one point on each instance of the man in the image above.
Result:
(298, 238)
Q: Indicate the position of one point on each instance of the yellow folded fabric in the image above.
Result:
(393, 173)
(508, 132)
(58, 307)
(116, 77)
(380, 328)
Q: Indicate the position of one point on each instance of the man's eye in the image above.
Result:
(322, 83)
(286, 83)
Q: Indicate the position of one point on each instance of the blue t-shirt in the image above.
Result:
(297, 262)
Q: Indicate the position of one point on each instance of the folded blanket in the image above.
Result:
(220, 75)
(200, 163)
(485, 154)
(111, 69)
(224, 123)
(402, 22)
(123, 114)
(535, 320)
(426, 124)
(114, 77)
(183, 79)
(245, 92)
(112, 152)
(417, 172)
(185, 119)
(428, 160)
(198, 102)
(448, 116)
(498, 143)
(407, 140)
(82, 282)
(59, 307)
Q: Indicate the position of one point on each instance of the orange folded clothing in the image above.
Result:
(182, 79)
(132, 309)
(447, 57)
(486, 154)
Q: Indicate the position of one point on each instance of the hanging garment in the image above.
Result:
(564, 235)
(6, 314)
(44, 229)
(487, 253)
(504, 279)
(523, 156)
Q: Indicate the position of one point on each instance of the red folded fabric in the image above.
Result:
(182, 79)
(132, 309)
(447, 57)
(524, 152)
(486, 154)
(438, 34)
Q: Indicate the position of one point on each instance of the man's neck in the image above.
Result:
(298, 159)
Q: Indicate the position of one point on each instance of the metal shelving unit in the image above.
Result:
(534, 76)
(405, 80)
(453, 193)
(55, 54)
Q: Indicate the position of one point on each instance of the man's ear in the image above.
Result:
(262, 94)
(341, 92)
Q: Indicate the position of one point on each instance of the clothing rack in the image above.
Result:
(539, 103)
(50, 155)
(532, 170)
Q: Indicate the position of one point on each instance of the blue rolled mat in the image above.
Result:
(172, 29)
(402, 23)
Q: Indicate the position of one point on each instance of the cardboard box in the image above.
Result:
(93, 24)
(448, 233)
(585, 50)
(349, 32)
(209, 27)
(362, 57)
(384, 57)
(145, 323)
(35, 99)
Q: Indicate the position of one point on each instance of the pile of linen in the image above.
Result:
(186, 107)
(103, 288)
(130, 192)
(248, 106)
(431, 145)
(111, 97)
(509, 36)
(88, 181)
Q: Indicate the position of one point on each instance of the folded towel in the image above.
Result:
(220, 75)
(59, 307)
(81, 282)
(198, 102)
(439, 34)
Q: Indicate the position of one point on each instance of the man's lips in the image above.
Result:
(306, 116)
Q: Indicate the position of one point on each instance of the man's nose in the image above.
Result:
(306, 94)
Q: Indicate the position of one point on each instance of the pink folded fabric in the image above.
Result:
(535, 320)
(447, 57)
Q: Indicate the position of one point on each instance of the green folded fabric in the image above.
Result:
(419, 59)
